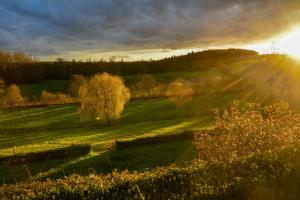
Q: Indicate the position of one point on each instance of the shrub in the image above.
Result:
(241, 131)
(58, 98)
(12, 96)
(70, 151)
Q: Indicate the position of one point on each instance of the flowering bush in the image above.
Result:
(243, 130)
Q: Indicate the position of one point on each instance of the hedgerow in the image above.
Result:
(70, 151)
(158, 139)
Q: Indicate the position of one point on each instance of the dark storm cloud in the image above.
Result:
(51, 27)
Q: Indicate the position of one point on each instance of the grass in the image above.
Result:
(31, 129)
(37, 129)
(44, 128)
(135, 159)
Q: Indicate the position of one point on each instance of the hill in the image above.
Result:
(34, 71)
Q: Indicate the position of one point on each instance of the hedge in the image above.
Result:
(271, 175)
(125, 144)
(70, 151)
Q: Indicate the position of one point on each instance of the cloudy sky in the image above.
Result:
(137, 29)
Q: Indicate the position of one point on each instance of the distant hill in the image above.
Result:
(35, 71)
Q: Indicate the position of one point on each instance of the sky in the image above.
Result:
(141, 29)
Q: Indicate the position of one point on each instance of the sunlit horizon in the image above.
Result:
(286, 43)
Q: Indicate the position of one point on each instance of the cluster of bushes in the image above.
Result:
(263, 175)
(11, 96)
(158, 139)
(70, 151)
(178, 89)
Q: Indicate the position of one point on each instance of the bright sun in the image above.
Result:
(289, 43)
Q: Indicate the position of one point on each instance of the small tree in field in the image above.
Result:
(103, 97)
(14, 93)
(12, 96)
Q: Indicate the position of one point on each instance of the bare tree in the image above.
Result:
(103, 97)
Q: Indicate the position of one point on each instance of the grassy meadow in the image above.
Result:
(43, 128)
(49, 127)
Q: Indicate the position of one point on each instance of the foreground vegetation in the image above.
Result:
(231, 169)
(259, 176)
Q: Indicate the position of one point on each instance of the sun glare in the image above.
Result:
(289, 43)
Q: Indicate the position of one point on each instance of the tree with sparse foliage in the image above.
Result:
(103, 98)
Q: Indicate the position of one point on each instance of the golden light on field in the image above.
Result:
(289, 43)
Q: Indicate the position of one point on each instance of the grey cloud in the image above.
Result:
(52, 27)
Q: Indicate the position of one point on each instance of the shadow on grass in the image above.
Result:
(134, 159)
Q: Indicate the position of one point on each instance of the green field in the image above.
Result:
(43, 128)
(36, 129)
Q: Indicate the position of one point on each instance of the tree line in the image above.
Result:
(25, 69)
